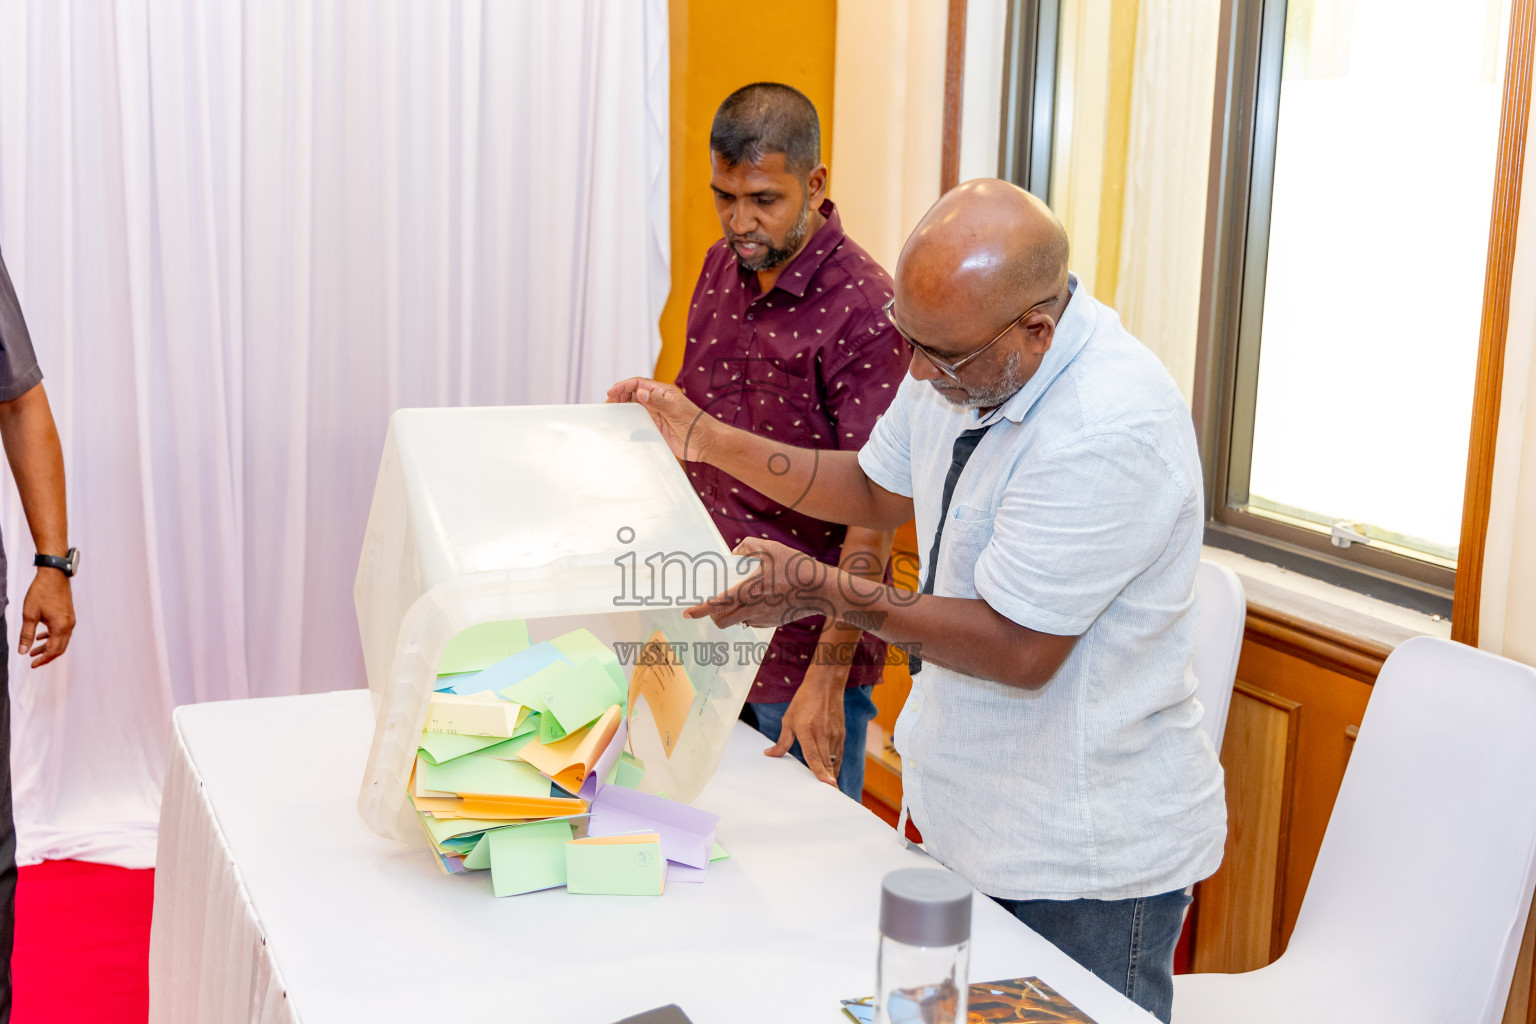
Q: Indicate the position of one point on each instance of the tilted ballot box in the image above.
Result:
(566, 517)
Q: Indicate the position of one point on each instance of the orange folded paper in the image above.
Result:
(668, 692)
(511, 808)
(520, 807)
(568, 761)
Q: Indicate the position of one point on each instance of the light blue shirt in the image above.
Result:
(1080, 514)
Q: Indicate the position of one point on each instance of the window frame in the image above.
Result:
(1238, 201)
(1031, 44)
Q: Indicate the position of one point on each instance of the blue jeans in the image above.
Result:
(858, 709)
(1127, 943)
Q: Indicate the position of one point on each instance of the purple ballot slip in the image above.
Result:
(687, 833)
(683, 873)
(605, 762)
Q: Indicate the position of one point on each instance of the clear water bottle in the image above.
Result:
(925, 935)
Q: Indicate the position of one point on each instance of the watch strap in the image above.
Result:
(64, 563)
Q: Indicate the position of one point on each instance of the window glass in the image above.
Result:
(1383, 182)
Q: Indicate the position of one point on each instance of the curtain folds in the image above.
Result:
(243, 233)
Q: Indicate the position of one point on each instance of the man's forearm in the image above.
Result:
(864, 554)
(824, 484)
(963, 634)
(37, 463)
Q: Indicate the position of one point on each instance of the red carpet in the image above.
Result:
(82, 944)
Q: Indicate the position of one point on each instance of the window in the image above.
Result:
(1029, 94)
(1344, 286)
(1340, 305)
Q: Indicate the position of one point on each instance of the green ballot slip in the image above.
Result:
(616, 866)
(484, 776)
(526, 858)
(580, 645)
(480, 647)
(627, 771)
(578, 695)
(526, 691)
(479, 859)
(437, 747)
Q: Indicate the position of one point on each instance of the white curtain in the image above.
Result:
(1162, 227)
(243, 232)
(888, 132)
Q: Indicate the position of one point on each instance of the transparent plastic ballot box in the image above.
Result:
(563, 516)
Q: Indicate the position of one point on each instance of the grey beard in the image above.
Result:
(772, 257)
(996, 393)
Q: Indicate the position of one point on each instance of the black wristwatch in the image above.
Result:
(68, 565)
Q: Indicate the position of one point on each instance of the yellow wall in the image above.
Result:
(717, 47)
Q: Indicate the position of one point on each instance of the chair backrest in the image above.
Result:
(1223, 610)
(1422, 886)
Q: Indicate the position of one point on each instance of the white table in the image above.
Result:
(273, 902)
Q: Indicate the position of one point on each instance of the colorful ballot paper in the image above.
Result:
(627, 771)
(479, 859)
(687, 833)
(443, 829)
(683, 873)
(511, 750)
(527, 744)
(526, 858)
(437, 747)
(581, 646)
(473, 716)
(510, 671)
(573, 696)
(522, 807)
(607, 763)
(668, 692)
(630, 865)
(481, 646)
(526, 690)
(483, 776)
(568, 761)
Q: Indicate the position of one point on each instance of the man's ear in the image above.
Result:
(1039, 332)
(816, 185)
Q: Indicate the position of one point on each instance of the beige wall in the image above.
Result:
(701, 32)
(888, 91)
(1507, 610)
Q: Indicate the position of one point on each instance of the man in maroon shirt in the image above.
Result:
(787, 338)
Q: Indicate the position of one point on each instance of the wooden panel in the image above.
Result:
(1326, 648)
(1242, 904)
(1521, 1008)
(954, 96)
(1489, 381)
(1333, 702)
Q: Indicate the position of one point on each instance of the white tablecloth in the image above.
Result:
(273, 903)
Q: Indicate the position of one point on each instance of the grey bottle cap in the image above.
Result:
(925, 907)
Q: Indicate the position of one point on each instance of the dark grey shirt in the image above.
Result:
(19, 372)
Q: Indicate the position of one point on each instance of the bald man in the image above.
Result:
(1051, 748)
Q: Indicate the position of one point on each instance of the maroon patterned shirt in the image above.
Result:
(813, 363)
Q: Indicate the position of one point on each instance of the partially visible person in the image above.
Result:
(786, 338)
(48, 611)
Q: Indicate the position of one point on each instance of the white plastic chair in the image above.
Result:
(1223, 611)
(1420, 893)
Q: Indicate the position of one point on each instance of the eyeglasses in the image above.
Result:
(951, 370)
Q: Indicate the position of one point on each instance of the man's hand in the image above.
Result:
(688, 430)
(815, 718)
(49, 602)
(785, 586)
